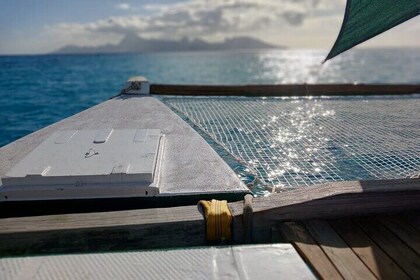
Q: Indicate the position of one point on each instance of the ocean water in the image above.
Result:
(276, 144)
(36, 91)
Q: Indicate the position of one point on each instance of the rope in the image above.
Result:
(218, 220)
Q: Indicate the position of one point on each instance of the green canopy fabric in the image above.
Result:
(365, 19)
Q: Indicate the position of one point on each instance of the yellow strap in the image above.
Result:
(218, 220)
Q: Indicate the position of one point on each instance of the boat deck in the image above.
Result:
(190, 167)
(223, 262)
(375, 247)
(359, 247)
(349, 230)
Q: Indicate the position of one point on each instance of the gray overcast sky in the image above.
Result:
(41, 26)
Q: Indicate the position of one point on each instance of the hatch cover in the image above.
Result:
(88, 164)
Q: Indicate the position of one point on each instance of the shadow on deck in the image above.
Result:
(384, 247)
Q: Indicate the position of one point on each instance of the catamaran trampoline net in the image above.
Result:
(292, 142)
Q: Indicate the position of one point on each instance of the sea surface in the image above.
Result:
(36, 91)
(276, 144)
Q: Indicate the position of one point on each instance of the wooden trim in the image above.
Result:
(87, 232)
(185, 226)
(332, 200)
(285, 89)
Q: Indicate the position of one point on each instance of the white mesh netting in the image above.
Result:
(291, 142)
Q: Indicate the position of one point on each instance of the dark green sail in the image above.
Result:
(365, 19)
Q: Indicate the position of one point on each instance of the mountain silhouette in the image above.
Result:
(136, 44)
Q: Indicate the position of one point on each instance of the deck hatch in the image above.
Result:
(88, 164)
(140, 135)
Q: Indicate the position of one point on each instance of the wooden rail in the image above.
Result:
(285, 89)
(185, 226)
(338, 199)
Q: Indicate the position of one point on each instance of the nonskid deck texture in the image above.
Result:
(290, 142)
(189, 167)
(233, 262)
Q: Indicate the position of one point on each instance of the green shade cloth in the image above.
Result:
(365, 19)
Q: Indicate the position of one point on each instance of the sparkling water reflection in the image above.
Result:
(36, 91)
(284, 143)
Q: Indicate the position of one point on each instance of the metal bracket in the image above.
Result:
(137, 85)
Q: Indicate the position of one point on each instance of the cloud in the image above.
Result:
(215, 19)
(123, 6)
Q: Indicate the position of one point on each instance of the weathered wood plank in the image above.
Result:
(343, 258)
(309, 250)
(413, 219)
(381, 188)
(403, 255)
(122, 230)
(339, 199)
(101, 219)
(404, 231)
(247, 219)
(373, 257)
(284, 89)
(183, 226)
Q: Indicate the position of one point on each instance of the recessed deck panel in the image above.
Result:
(87, 164)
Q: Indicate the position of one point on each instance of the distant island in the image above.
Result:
(136, 44)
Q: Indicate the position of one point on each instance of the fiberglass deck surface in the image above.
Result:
(233, 262)
(288, 142)
(184, 172)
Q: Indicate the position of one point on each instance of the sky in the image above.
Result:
(42, 26)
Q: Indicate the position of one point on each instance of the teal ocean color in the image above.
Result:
(36, 91)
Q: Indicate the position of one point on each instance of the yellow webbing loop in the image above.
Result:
(218, 220)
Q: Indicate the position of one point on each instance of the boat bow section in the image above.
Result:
(129, 146)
